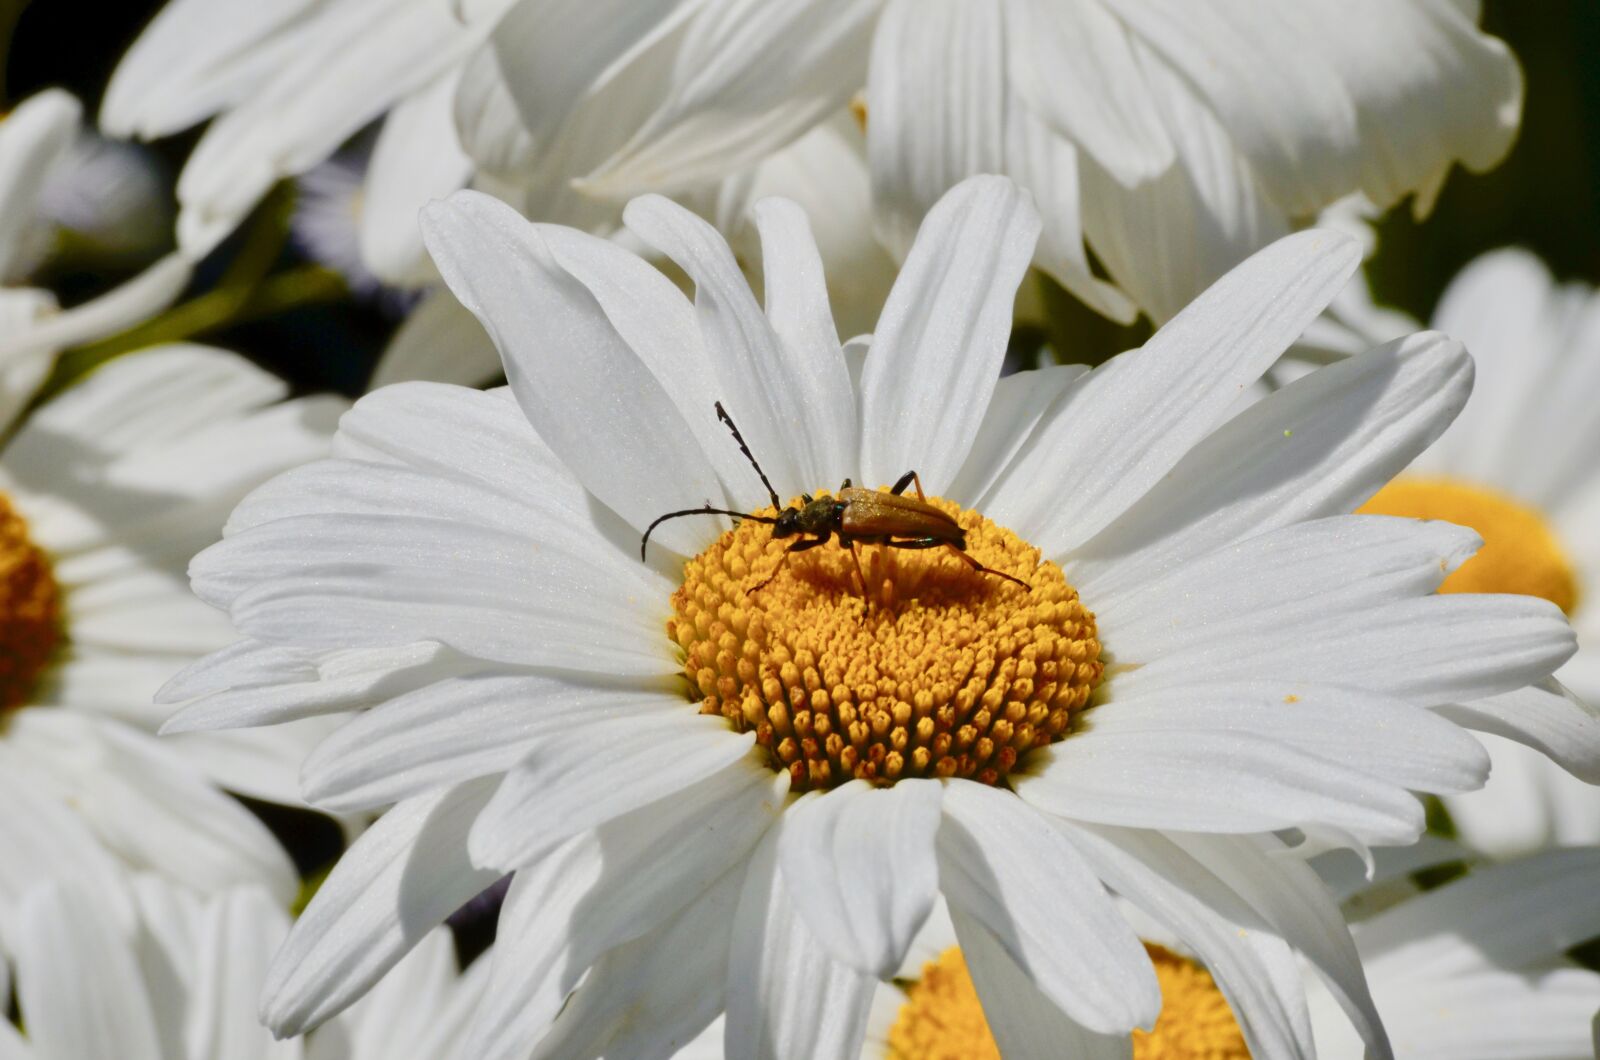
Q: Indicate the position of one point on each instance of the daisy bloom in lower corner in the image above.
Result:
(737, 774)
(106, 490)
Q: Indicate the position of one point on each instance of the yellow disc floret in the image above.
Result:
(931, 669)
(30, 610)
(1520, 553)
(942, 1018)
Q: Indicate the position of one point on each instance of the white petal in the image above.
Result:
(1287, 893)
(657, 992)
(860, 863)
(937, 351)
(460, 728)
(1324, 98)
(1014, 411)
(1074, 65)
(1318, 447)
(1215, 781)
(131, 302)
(438, 340)
(1112, 436)
(999, 860)
(1428, 650)
(786, 998)
(1547, 718)
(1251, 963)
(396, 883)
(1391, 741)
(487, 121)
(748, 79)
(78, 985)
(1022, 1019)
(1511, 916)
(936, 94)
(594, 773)
(32, 138)
(1495, 1014)
(240, 931)
(615, 884)
(1529, 804)
(341, 581)
(785, 407)
(1278, 578)
(416, 159)
(568, 366)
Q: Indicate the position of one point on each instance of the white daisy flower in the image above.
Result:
(1175, 138)
(288, 83)
(1518, 468)
(105, 491)
(729, 779)
(181, 982)
(36, 142)
(1478, 968)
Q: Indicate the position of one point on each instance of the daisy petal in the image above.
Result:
(1274, 579)
(1288, 894)
(34, 137)
(1022, 1019)
(785, 996)
(397, 882)
(500, 268)
(438, 340)
(238, 934)
(937, 351)
(1110, 438)
(1492, 1013)
(773, 396)
(1508, 916)
(1545, 717)
(1254, 967)
(1014, 410)
(999, 858)
(1319, 447)
(1212, 781)
(457, 729)
(860, 863)
(1428, 650)
(1075, 67)
(78, 986)
(615, 884)
(656, 993)
(557, 787)
(936, 89)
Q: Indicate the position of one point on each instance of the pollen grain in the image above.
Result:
(30, 610)
(931, 670)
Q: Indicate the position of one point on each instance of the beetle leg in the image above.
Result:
(845, 486)
(936, 542)
(860, 573)
(907, 479)
(798, 546)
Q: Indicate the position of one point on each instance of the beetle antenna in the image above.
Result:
(707, 510)
(722, 414)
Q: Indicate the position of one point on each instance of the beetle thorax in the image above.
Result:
(943, 672)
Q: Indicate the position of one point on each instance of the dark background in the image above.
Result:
(1545, 196)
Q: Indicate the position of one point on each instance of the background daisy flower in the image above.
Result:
(730, 780)
(107, 489)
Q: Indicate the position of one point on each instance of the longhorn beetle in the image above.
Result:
(857, 516)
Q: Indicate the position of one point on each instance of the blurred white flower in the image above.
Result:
(1174, 137)
(39, 167)
(1478, 968)
(106, 491)
(718, 793)
(179, 978)
(1518, 467)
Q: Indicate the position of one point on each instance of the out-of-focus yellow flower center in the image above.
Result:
(1520, 553)
(943, 1020)
(30, 609)
(947, 672)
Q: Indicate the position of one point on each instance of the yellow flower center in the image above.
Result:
(30, 610)
(935, 670)
(943, 1020)
(1520, 553)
